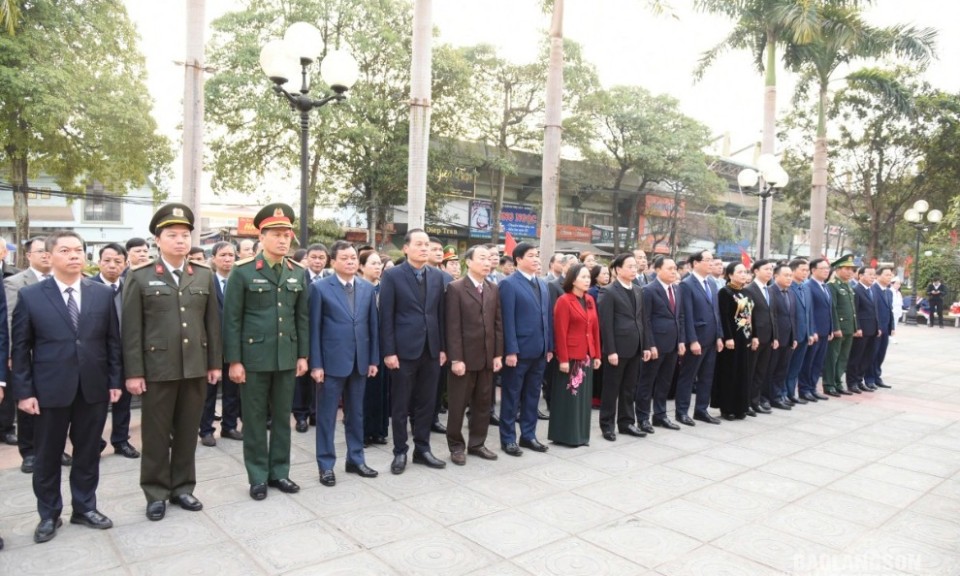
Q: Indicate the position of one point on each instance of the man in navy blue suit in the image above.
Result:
(527, 347)
(412, 343)
(224, 254)
(884, 298)
(784, 304)
(859, 367)
(803, 323)
(344, 352)
(67, 367)
(821, 326)
(663, 305)
(703, 338)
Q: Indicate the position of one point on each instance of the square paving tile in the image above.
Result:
(512, 489)
(876, 490)
(900, 476)
(815, 526)
(706, 467)
(711, 561)
(884, 553)
(215, 560)
(301, 546)
(374, 526)
(772, 485)
(442, 554)
(692, 519)
(254, 517)
(179, 531)
(641, 541)
(613, 461)
(453, 505)
(734, 501)
(510, 533)
(625, 494)
(943, 533)
(359, 564)
(847, 507)
(566, 509)
(326, 501)
(802, 471)
(79, 551)
(565, 474)
(574, 557)
(773, 548)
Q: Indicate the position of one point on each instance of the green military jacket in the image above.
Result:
(843, 309)
(266, 318)
(170, 331)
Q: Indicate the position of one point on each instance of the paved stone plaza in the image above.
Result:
(863, 485)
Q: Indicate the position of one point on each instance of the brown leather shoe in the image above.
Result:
(458, 458)
(482, 452)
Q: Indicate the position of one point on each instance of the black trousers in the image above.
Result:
(8, 413)
(230, 405)
(26, 429)
(414, 393)
(777, 372)
(758, 384)
(120, 417)
(655, 384)
(862, 353)
(619, 391)
(85, 423)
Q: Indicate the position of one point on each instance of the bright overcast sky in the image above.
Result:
(622, 38)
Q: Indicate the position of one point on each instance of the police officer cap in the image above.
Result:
(170, 214)
(277, 215)
(845, 261)
(450, 253)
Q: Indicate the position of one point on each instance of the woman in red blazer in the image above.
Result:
(576, 330)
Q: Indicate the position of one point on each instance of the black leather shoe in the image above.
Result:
(512, 449)
(799, 400)
(66, 459)
(541, 415)
(156, 510)
(855, 389)
(285, 485)
(705, 417)
(765, 404)
(438, 428)
(302, 426)
(809, 397)
(750, 412)
(258, 491)
(382, 440)
(831, 393)
(126, 450)
(362, 470)
(665, 423)
(789, 401)
(92, 519)
(494, 420)
(46, 530)
(819, 396)
(779, 405)
(533, 444)
(846, 392)
(399, 464)
(632, 430)
(231, 434)
(646, 427)
(761, 409)
(208, 440)
(10, 438)
(28, 463)
(187, 502)
(328, 478)
(869, 388)
(428, 459)
(610, 435)
(883, 385)
(729, 417)
(686, 420)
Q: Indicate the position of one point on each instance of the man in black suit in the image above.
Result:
(113, 262)
(66, 368)
(936, 292)
(883, 295)
(625, 337)
(764, 329)
(784, 304)
(8, 410)
(663, 311)
(304, 406)
(641, 257)
(411, 340)
(224, 255)
(703, 337)
(864, 347)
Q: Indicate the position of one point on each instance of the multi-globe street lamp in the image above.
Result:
(915, 217)
(769, 175)
(301, 45)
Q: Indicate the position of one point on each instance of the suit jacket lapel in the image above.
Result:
(472, 291)
(339, 294)
(52, 291)
(410, 275)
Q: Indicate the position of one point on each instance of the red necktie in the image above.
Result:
(673, 302)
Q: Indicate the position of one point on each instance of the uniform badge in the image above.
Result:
(278, 213)
(178, 212)
(292, 280)
(189, 269)
(259, 281)
(259, 264)
(157, 283)
(159, 269)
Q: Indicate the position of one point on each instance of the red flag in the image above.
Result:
(745, 259)
(509, 244)
(873, 263)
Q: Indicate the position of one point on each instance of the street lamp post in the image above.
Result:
(769, 176)
(302, 43)
(915, 217)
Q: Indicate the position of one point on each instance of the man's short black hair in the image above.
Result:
(220, 246)
(797, 262)
(660, 261)
(115, 247)
(759, 263)
(195, 250)
(136, 243)
(521, 249)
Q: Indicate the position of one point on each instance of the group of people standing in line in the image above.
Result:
(343, 327)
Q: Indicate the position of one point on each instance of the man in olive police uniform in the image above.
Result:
(844, 325)
(171, 352)
(266, 343)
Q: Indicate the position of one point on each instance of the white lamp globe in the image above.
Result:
(747, 178)
(921, 206)
(911, 215)
(934, 216)
(339, 70)
(277, 61)
(305, 41)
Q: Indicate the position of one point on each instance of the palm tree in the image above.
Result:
(9, 15)
(845, 37)
(760, 25)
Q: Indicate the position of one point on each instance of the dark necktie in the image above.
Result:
(348, 288)
(223, 285)
(672, 300)
(422, 284)
(176, 276)
(631, 298)
(72, 309)
(786, 299)
(706, 288)
(536, 289)
(116, 288)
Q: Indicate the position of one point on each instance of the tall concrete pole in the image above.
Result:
(552, 131)
(420, 77)
(193, 112)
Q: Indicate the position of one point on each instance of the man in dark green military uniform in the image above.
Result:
(171, 351)
(844, 325)
(266, 344)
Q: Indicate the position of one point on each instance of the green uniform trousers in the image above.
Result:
(838, 352)
(261, 392)
(170, 418)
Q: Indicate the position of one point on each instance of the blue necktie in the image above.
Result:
(72, 309)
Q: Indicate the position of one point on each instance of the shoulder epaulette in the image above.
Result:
(295, 262)
(245, 260)
(200, 264)
(144, 265)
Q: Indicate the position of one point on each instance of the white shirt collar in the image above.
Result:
(529, 277)
(345, 282)
(760, 284)
(171, 267)
(475, 283)
(627, 286)
(700, 279)
(38, 273)
(221, 278)
(666, 287)
(63, 287)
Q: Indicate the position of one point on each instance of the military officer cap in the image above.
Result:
(170, 214)
(845, 261)
(277, 215)
(449, 253)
